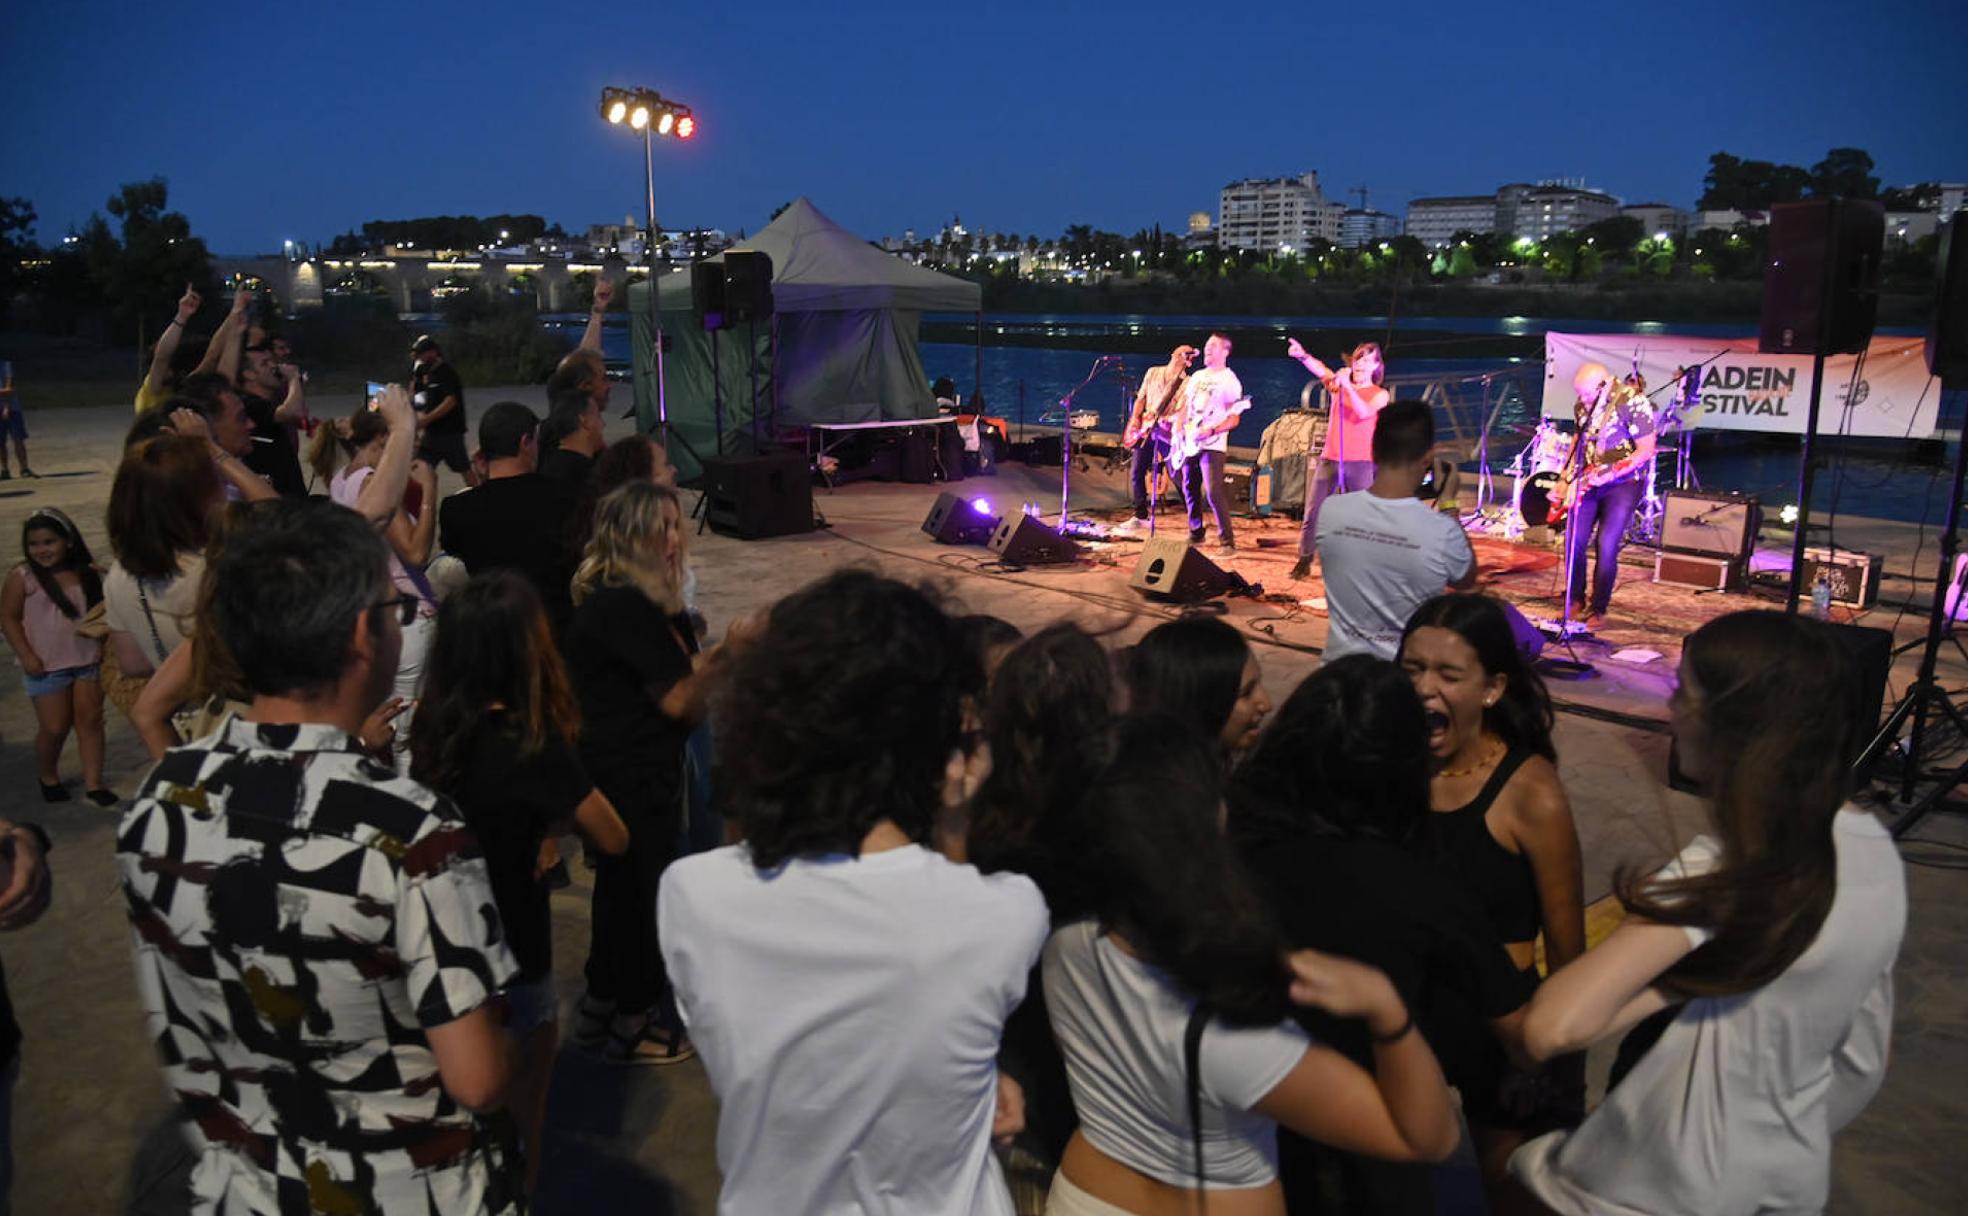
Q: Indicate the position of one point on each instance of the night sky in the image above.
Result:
(301, 121)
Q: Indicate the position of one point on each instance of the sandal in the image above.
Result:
(591, 1021)
(102, 797)
(642, 1041)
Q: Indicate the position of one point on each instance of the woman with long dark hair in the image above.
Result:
(42, 602)
(1200, 670)
(1503, 825)
(1324, 812)
(1779, 931)
(500, 726)
(1170, 1005)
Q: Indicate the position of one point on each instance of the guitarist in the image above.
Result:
(1147, 433)
(1210, 409)
(1613, 447)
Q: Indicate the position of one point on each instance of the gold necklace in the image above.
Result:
(1494, 754)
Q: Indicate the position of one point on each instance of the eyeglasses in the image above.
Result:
(406, 606)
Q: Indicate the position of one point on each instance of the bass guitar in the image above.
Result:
(1189, 440)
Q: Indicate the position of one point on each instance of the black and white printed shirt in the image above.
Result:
(302, 914)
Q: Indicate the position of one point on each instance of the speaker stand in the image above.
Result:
(1926, 693)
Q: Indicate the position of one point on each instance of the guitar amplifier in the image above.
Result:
(1719, 525)
(1697, 570)
(1853, 577)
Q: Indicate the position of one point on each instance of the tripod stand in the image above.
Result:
(1926, 694)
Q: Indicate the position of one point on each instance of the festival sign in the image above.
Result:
(1742, 390)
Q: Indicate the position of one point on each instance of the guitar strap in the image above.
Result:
(1181, 378)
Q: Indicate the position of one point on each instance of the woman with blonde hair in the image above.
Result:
(634, 662)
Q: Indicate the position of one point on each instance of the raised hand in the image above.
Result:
(191, 422)
(604, 293)
(189, 304)
(393, 403)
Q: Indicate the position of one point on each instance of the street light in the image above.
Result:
(638, 107)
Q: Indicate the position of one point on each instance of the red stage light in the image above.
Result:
(686, 127)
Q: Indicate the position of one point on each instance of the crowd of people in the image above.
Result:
(978, 897)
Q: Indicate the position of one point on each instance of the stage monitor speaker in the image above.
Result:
(1947, 340)
(707, 293)
(956, 520)
(752, 497)
(747, 286)
(1800, 298)
(1171, 569)
(1871, 652)
(1719, 525)
(1021, 540)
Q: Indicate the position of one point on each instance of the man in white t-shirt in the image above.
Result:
(1383, 550)
(1212, 403)
(845, 986)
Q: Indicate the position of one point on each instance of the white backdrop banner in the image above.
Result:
(1742, 390)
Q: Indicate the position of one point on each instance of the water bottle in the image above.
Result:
(1821, 597)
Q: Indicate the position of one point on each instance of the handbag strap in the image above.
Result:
(1192, 1058)
(156, 639)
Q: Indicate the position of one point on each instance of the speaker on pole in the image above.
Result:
(1947, 340)
(1823, 270)
(747, 286)
(707, 293)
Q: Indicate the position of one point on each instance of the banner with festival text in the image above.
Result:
(1741, 390)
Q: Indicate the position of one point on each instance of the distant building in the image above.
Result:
(1954, 196)
(1728, 219)
(1657, 218)
(1361, 226)
(1906, 227)
(1435, 221)
(1276, 214)
(1543, 212)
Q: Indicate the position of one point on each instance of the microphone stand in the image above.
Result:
(1103, 364)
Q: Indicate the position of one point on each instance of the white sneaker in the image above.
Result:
(1132, 526)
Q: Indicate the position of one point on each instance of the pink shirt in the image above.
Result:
(1348, 438)
(51, 634)
(345, 488)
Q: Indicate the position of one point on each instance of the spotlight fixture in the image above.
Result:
(647, 111)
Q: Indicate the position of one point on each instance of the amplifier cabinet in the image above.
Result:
(1853, 577)
(1697, 570)
(1719, 525)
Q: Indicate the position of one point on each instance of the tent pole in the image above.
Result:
(655, 306)
(977, 376)
(752, 361)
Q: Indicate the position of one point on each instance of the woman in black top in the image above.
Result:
(1323, 812)
(633, 657)
(1502, 823)
(501, 725)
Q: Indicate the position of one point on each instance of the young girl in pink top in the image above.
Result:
(42, 602)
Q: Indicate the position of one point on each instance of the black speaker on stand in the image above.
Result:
(748, 298)
(1820, 297)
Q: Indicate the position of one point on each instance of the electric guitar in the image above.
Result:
(1189, 440)
(1147, 420)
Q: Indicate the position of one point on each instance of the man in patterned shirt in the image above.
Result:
(316, 943)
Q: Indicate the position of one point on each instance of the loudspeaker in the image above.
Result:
(748, 286)
(1871, 652)
(1947, 340)
(1719, 525)
(751, 497)
(1021, 540)
(1529, 638)
(955, 520)
(707, 293)
(1171, 569)
(1800, 298)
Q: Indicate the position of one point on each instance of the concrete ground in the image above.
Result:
(90, 1090)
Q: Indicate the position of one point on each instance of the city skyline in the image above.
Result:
(890, 118)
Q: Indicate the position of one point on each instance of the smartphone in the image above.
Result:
(374, 390)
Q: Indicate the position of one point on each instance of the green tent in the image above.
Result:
(839, 347)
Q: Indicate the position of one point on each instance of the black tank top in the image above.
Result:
(1501, 880)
